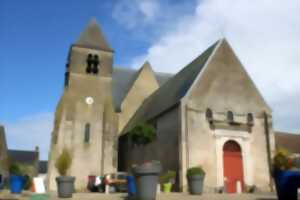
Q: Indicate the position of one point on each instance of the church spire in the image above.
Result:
(92, 37)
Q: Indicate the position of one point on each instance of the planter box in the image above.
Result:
(146, 177)
(195, 183)
(287, 182)
(65, 186)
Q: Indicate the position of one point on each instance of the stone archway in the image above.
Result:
(233, 166)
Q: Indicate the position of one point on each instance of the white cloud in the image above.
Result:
(132, 12)
(149, 8)
(30, 131)
(264, 35)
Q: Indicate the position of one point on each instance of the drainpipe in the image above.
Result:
(267, 134)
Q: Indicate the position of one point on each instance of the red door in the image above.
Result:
(233, 166)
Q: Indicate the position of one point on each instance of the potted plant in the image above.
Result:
(167, 180)
(65, 184)
(286, 175)
(195, 177)
(142, 134)
(146, 177)
(16, 179)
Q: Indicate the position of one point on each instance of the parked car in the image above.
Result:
(117, 181)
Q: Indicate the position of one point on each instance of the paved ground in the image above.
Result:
(172, 196)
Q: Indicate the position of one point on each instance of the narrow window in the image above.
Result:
(67, 79)
(230, 116)
(89, 62)
(95, 63)
(209, 115)
(87, 133)
(250, 119)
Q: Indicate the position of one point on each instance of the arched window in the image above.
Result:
(209, 115)
(250, 119)
(92, 64)
(230, 116)
(87, 133)
(89, 62)
(95, 63)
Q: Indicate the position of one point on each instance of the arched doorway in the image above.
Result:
(233, 166)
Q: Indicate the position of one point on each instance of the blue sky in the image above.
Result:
(35, 37)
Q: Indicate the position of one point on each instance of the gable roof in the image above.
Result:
(26, 157)
(288, 141)
(224, 76)
(92, 37)
(122, 80)
(172, 91)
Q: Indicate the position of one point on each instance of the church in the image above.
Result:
(209, 114)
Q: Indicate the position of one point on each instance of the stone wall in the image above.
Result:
(3, 153)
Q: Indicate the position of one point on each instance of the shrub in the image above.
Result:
(195, 171)
(15, 169)
(282, 162)
(168, 177)
(63, 162)
(142, 134)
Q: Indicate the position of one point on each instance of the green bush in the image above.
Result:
(169, 176)
(281, 161)
(195, 171)
(16, 169)
(142, 134)
(63, 162)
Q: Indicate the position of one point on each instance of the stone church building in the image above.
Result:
(210, 114)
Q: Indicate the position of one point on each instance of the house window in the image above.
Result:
(87, 130)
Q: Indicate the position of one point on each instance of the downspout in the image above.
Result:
(267, 134)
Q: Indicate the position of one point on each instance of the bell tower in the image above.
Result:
(90, 54)
(85, 121)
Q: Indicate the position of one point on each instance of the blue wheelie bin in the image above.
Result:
(131, 186)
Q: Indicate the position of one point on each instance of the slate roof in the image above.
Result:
(92, 37)
(170, 93)
(288, 141)
(122, 80)
(43, 167)
(26, 157)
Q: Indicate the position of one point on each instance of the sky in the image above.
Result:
(35, 37)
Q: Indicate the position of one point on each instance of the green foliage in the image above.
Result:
(195, 171)
(63, 162)
(19, 169)
(142, 134)
(28, 182)
(15, 169)
(168, 177)
(283, 161)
